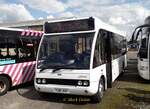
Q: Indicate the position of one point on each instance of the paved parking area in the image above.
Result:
(129, 92)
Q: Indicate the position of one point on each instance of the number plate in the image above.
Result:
(60, 90)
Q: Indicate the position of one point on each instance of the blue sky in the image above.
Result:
(123, 14)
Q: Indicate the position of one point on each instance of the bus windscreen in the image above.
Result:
(70, 26)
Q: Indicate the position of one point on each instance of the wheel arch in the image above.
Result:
(9, 78)
(104, 80)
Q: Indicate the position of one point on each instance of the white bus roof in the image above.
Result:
(99, 24)
(11, 29)
(15, 29)
(24, 32)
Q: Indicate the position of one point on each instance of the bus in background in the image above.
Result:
(141, 35)
(80, 56)
(18, 49)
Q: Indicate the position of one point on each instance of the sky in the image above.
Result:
(125, 15)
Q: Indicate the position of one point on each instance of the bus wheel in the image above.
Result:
(42, 94)
(123, 68)
(4, 85)
(100, 93)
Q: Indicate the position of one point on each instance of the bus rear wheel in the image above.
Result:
(4, 85)
(100, 93)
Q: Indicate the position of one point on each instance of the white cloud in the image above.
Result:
(119, 13)
(14, 12)
(48, 6)
(66, 14)
(84, 3)
(123, 14)
(117, 20)
(127, 16)
(40, 18)
(50, 17)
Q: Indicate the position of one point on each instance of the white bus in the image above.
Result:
(80, 56)
(141, 36)
(18, 49)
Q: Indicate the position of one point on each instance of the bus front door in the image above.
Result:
(149, 58)
(108, 60)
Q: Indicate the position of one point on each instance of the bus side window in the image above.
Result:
(26, 49)
(3, 47)
(11, 44)
(123, 46)
(115, 45)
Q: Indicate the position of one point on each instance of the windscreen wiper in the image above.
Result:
(54, 70)
(44, 68)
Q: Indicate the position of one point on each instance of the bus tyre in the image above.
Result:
(4, 85)
(100, 93)
(123, 69)
(42, 94)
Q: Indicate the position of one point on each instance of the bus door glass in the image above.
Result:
(26, 49)
(143, 48)
(148, 47)
(102, 54)
(117, 51)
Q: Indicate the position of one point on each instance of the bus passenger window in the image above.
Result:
(11, 48)
(115, 45)
(12, 52)
(3, 47)
(1, 54)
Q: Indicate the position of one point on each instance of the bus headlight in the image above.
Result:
(39, 80)
(80, 83)
(85, 83)
(43, 81)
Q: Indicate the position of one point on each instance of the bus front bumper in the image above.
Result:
(144, 70)
(66, 89)
(144, 74)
